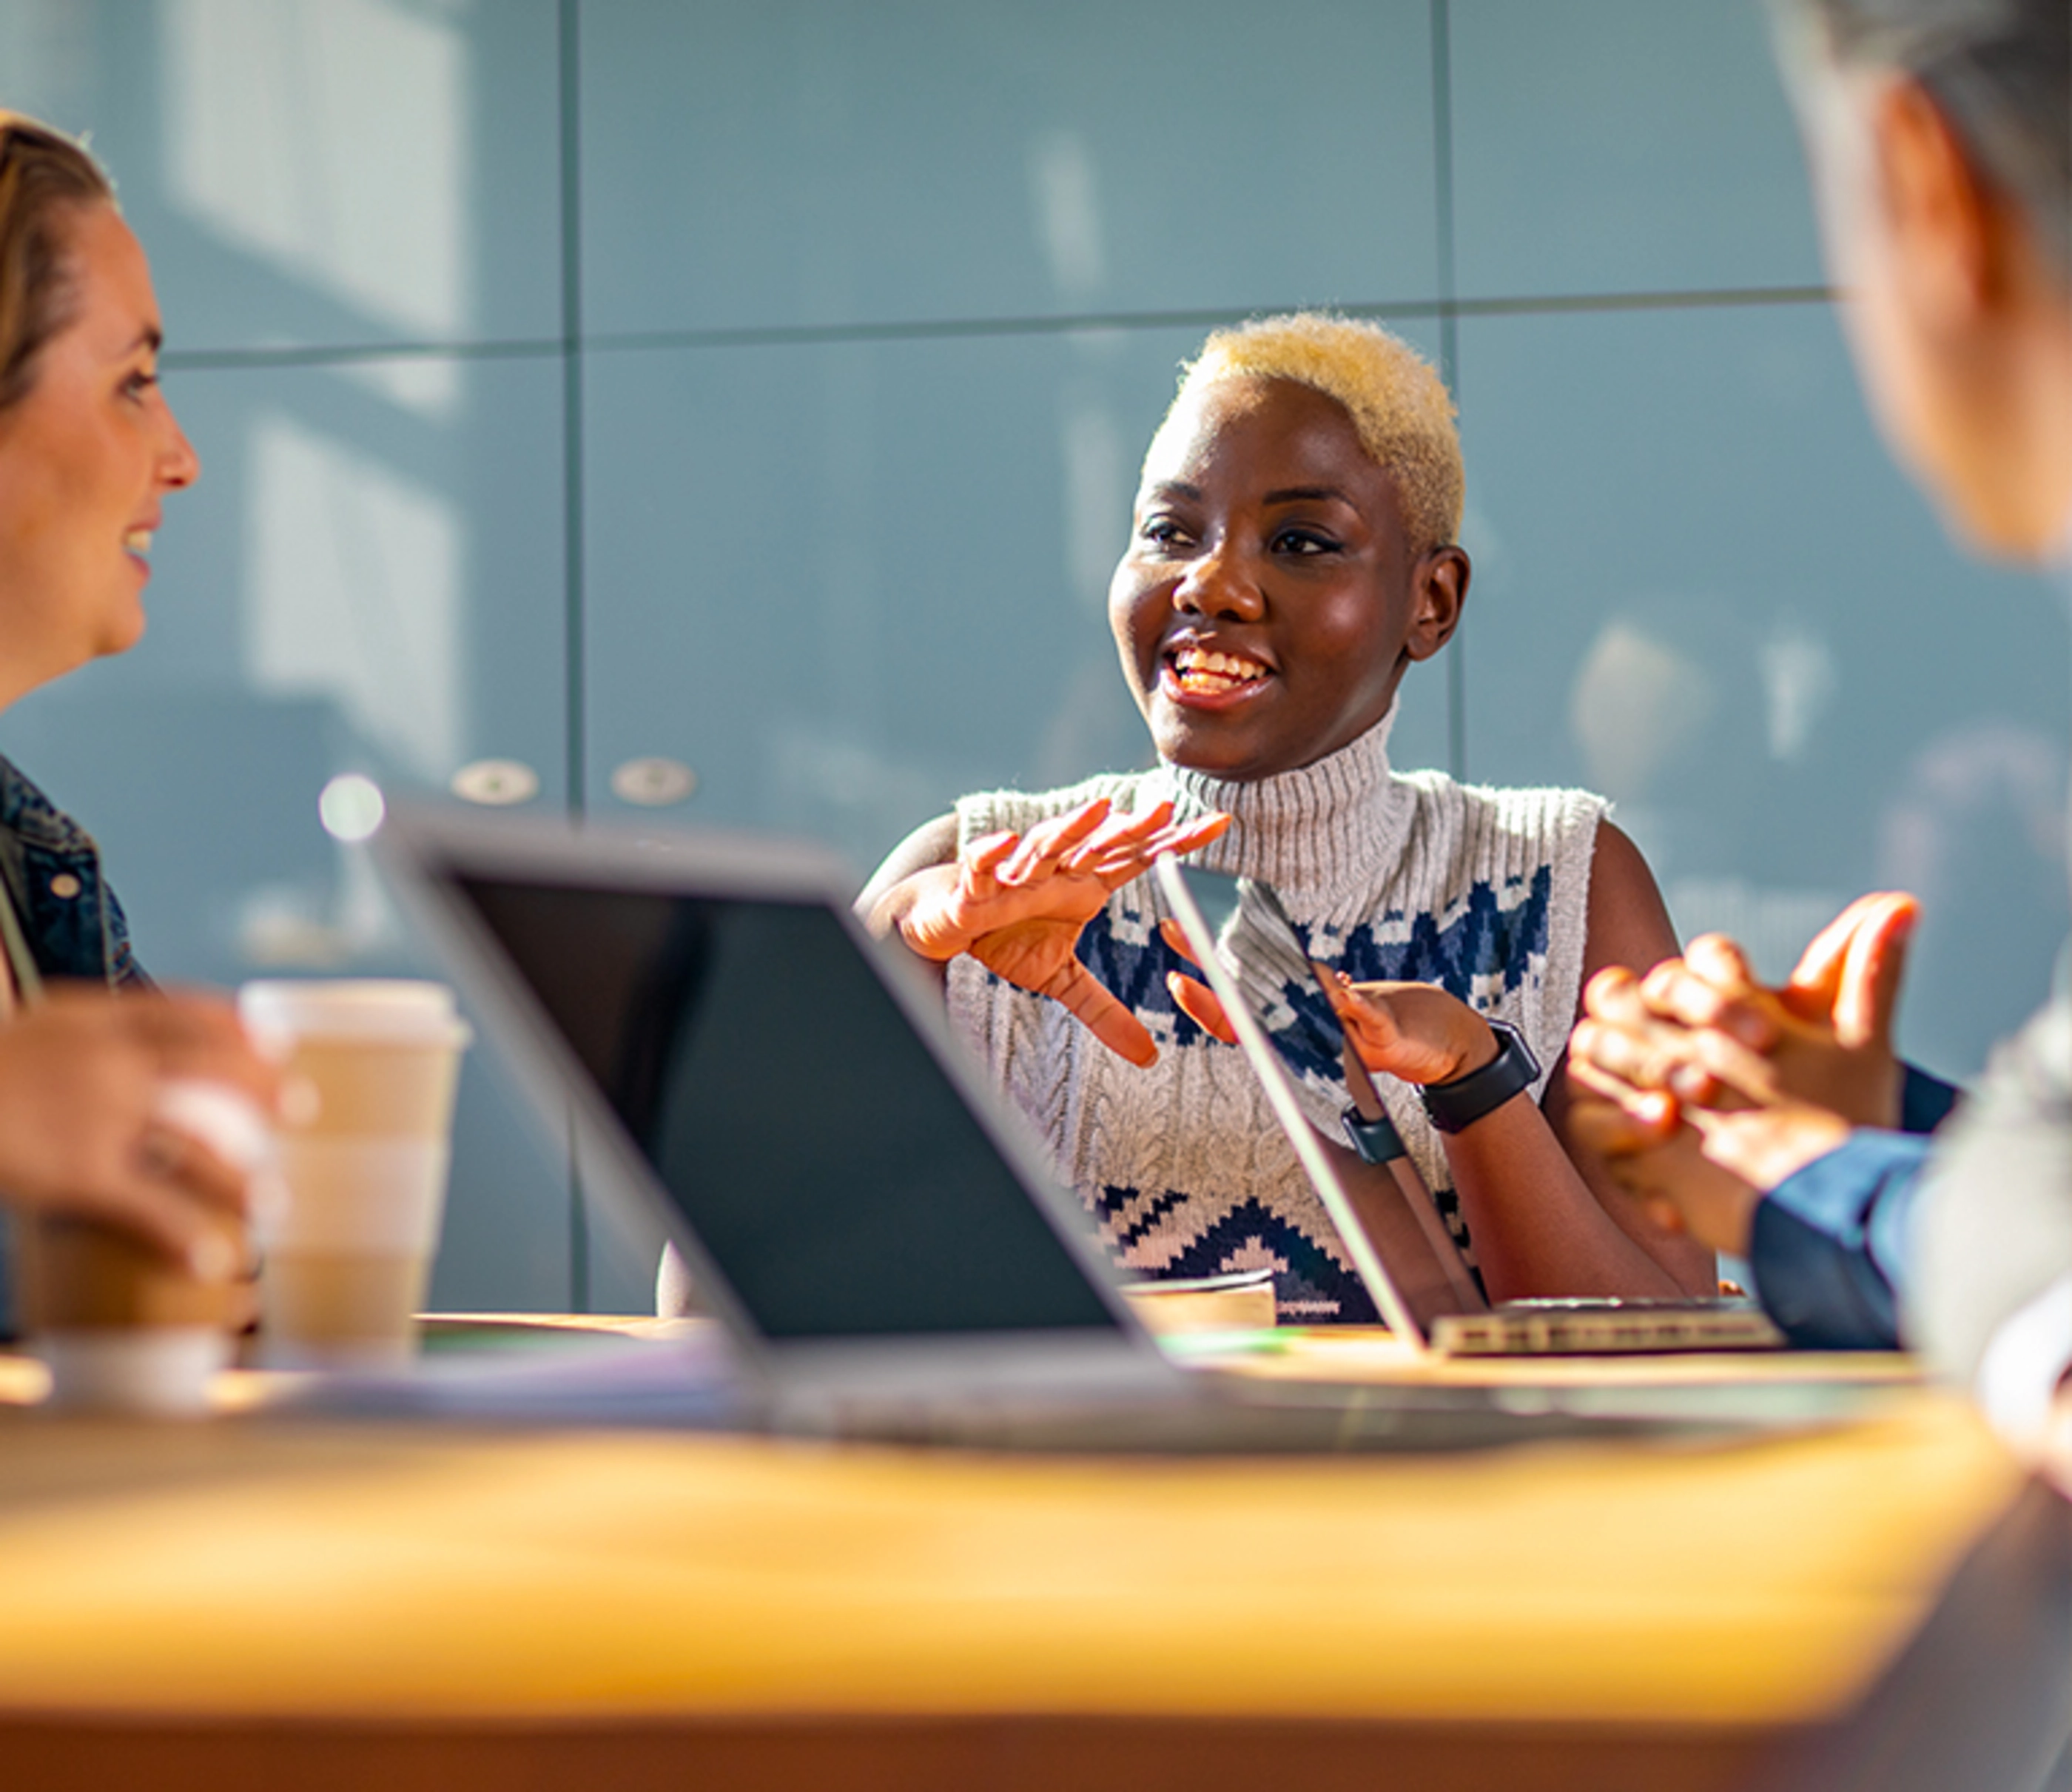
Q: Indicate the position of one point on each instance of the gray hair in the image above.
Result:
(2000, 70)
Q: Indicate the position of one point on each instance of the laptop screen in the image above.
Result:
(827, 1164)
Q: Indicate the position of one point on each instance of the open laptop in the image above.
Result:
(780, 1095)
(1257, 966)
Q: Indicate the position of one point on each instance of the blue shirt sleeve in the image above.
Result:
(1828, 1247)
(1829, 1244)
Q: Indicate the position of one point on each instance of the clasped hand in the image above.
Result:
(1018, 903)
(1715, 1087)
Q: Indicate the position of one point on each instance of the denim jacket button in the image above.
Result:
(64, 884)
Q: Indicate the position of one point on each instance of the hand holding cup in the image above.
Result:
(133, 1129)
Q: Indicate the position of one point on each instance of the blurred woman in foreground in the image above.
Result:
(89, 450)
(1940, 137)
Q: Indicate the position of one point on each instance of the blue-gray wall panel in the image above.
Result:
(1622, 145)
(318, 171)
(1704, 588)
(355, 585)
(757, 163)
(846, 582)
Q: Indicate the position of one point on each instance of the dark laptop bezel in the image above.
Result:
(422, 848)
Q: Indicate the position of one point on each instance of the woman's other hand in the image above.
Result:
(1416, 1031)
(1193, 997)
(1016, 904)
(83, 1079)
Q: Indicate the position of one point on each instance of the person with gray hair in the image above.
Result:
(1939, 133)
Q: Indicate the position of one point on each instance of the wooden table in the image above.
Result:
(262, 1601)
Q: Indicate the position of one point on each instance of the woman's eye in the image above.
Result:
(1304, 542)
(1162, 530)
(140, 382)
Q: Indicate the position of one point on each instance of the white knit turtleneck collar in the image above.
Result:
(1330, 832)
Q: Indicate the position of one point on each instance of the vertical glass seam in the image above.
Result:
(572, 397)
(1450, 359)
(568, 22)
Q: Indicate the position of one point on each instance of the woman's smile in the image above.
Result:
(1207, 677)
(136, 544)
(1270, 596)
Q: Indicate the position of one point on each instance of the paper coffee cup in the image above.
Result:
(119, 1326)
(346, 1256)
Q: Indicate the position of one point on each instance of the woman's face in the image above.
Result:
(86, 457)
(1270, 598)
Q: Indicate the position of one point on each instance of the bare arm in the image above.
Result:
(904, 879)
(1533, 1204)
(1628, 925)
(1545, 1216)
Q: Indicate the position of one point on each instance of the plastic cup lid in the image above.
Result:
(387, 1009)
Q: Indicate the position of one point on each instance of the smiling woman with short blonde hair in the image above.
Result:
(1291, 557)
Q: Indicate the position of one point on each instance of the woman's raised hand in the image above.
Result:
(1016, 903)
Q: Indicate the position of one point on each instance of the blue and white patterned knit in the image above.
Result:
(1410, 876)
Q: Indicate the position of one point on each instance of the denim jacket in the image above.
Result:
(73, 924)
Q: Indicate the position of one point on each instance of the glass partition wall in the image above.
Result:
(729, 412)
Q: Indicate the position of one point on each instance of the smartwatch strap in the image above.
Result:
(1377, 1141)
(1454, 1106)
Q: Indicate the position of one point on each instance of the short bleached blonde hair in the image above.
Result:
(1400, 406)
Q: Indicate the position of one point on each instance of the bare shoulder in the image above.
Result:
(932, 843)
(1629, 921)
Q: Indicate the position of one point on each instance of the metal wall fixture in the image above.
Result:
(653, 783)
(497, 782)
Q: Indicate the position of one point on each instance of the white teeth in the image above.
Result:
(1191, 662)
(138, 541)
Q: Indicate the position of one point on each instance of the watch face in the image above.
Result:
(1511, 1045)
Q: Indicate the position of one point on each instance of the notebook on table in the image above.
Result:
(1397, 1242)
(753, 1077)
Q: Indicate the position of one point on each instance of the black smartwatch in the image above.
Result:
(1454, 1106)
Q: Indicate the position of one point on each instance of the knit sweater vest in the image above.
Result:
(1388, 876)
